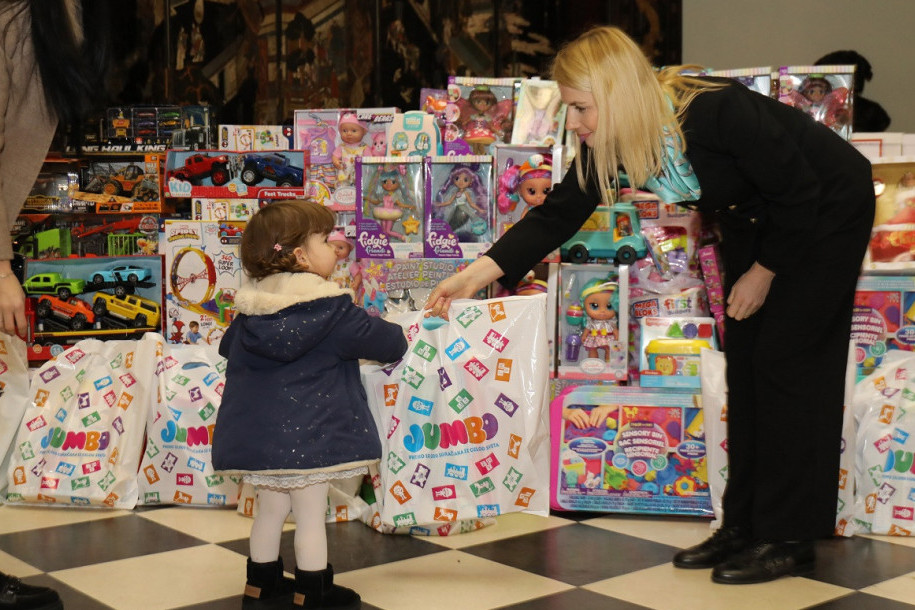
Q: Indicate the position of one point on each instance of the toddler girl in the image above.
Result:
(294, 413)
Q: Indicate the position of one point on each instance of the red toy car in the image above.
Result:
(77, 311)
(198, 166)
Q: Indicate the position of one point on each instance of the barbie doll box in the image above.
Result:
(389, 217)
(458, 206)
(628, 450)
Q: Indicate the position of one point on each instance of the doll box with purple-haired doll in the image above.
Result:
(458, 206)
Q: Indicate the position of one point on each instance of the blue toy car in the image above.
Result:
(123, 274)
(614, 234)
(273, 166)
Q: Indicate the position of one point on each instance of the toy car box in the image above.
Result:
(220, 174)
(118, 185)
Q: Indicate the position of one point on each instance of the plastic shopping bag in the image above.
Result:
(14, 397)
(80, 440)
(177, 466)
(463, 418)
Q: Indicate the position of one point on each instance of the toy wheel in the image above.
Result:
(64, 293)
(133, 279)
(287, 182)
(578, 253)
(219, 175)
(250, 175)
(43, 309)
(78, 322)
(97, 278)
(625, 255)
(99, 308)
(120, 290)
(111, 188)
(139, 321)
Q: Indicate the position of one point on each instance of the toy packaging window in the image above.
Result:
(594, 328)
(629, 450)
(389, 219)
(823, 92)
(53, 186)
(334, 139)
(458, 206)
(540, 117)
(479, 114)
(119, 185)
(203, 271)
(892, 244)
(756, 79)
(670, 349)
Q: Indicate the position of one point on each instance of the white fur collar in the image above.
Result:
(278, 291)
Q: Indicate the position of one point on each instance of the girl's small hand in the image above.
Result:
(749, 292)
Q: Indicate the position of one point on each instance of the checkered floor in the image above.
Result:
(180, 557)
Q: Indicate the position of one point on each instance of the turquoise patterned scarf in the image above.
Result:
(677, 181)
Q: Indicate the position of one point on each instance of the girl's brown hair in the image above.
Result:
(275, 231)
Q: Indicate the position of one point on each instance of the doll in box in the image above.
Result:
(352, 131)
(462, 202)
(530, 182)
(347, 271)
(389, 197)
(597, 314)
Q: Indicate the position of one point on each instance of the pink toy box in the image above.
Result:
(458, 206)
(628, 450)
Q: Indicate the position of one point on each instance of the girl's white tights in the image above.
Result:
(308, 505)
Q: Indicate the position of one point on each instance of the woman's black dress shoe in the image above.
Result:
(724, 543)
(766, 561)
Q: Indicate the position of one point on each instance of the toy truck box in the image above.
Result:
(221, 174)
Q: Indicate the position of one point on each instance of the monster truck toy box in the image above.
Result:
(247, 174)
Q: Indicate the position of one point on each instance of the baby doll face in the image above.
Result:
(597, 306)
(351, 134)
(341, 249)
(535, 190)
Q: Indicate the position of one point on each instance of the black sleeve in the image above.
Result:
(545, 227)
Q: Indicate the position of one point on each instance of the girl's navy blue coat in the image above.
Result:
(293, 401)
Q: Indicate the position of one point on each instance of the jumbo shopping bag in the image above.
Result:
(177, 466)
(80, 439)
(463, 417)
(14, 397)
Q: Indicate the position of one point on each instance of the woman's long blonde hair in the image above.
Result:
(637, 106)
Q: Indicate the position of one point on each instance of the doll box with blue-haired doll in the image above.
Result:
(458, 206)
(594, 322)
(389, 217)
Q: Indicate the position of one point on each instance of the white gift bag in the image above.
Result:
(80, 439)
(177, 466)
(14, 397)
(463, 417)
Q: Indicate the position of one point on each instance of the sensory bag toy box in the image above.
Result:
(629, 450)
(462, 417)
(883, 319)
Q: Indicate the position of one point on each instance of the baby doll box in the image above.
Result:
(540, 117)
(670, 350)
(458, 206)
(389, 217)
(628, 450)
(892, 245)
(823, 92)
(222, 173)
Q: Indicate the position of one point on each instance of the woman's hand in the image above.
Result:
(462, 285)
(749, 292)
(12, 305)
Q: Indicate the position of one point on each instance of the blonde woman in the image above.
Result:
(795, 204)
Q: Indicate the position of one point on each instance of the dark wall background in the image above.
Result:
(257, 60)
